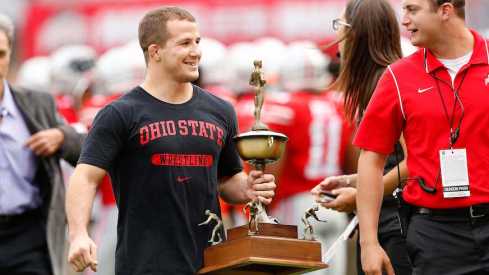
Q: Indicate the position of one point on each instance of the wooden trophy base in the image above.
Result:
(275, 250)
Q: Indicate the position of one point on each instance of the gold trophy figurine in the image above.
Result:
(310, 212)
(257, 79)
(213, 218)
(254, 211)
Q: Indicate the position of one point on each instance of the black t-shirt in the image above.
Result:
(164, 160)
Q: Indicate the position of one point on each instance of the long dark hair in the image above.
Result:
(372, 43)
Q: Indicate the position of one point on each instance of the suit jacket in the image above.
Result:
(40, 113)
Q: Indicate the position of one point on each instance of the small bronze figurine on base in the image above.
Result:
(213, 217)
(254, 212)
(310, 212)
(257, 79)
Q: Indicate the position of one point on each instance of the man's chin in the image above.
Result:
(191, 77)
(417, 43)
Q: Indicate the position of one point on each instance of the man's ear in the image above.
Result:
(446, 11)
(153, 52)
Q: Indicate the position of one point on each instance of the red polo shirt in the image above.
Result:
(407, 101)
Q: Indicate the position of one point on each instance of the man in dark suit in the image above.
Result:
(33, 138)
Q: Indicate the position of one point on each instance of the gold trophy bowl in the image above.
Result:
(260, 146)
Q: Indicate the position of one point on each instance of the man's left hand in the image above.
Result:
(46, 142)
(261, 186)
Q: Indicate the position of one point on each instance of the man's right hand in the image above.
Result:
(83, 254)
(374, 258)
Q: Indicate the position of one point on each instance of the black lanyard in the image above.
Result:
(453, 134)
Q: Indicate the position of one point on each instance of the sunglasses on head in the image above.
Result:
(352, 14)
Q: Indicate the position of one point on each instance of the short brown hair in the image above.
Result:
(152, 28)
(458, 6)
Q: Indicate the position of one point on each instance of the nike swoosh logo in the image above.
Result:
(422, 91)
(180, 179)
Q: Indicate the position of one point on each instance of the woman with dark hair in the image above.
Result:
(369, 40)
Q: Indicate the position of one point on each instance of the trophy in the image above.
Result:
(271, 248)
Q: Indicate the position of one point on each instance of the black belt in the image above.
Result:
(26, 217)
(474, 211)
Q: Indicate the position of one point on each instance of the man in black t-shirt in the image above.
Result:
(168, 148)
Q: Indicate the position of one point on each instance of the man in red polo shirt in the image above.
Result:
(438, 98)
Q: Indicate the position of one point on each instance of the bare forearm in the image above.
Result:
(233, 189)
(390, 179)
(369, 194)
(79, 203)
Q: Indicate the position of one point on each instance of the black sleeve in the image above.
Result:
(229, 161)
(105, 139)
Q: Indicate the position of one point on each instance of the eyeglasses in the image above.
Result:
(337, 23)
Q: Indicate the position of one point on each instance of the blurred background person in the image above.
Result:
(319, 135)
(33, 138)
(35, 73)
(212, 70)
(319, 144)
(369, 40)
(71, 77)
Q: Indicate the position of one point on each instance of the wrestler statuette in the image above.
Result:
(213, 217)
(257, 79)
(254, 212)
(310, 212)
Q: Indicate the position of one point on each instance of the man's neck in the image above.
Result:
(169, 91)
(456, 44)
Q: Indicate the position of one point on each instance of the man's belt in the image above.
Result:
(474, 211)
(26, 217)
